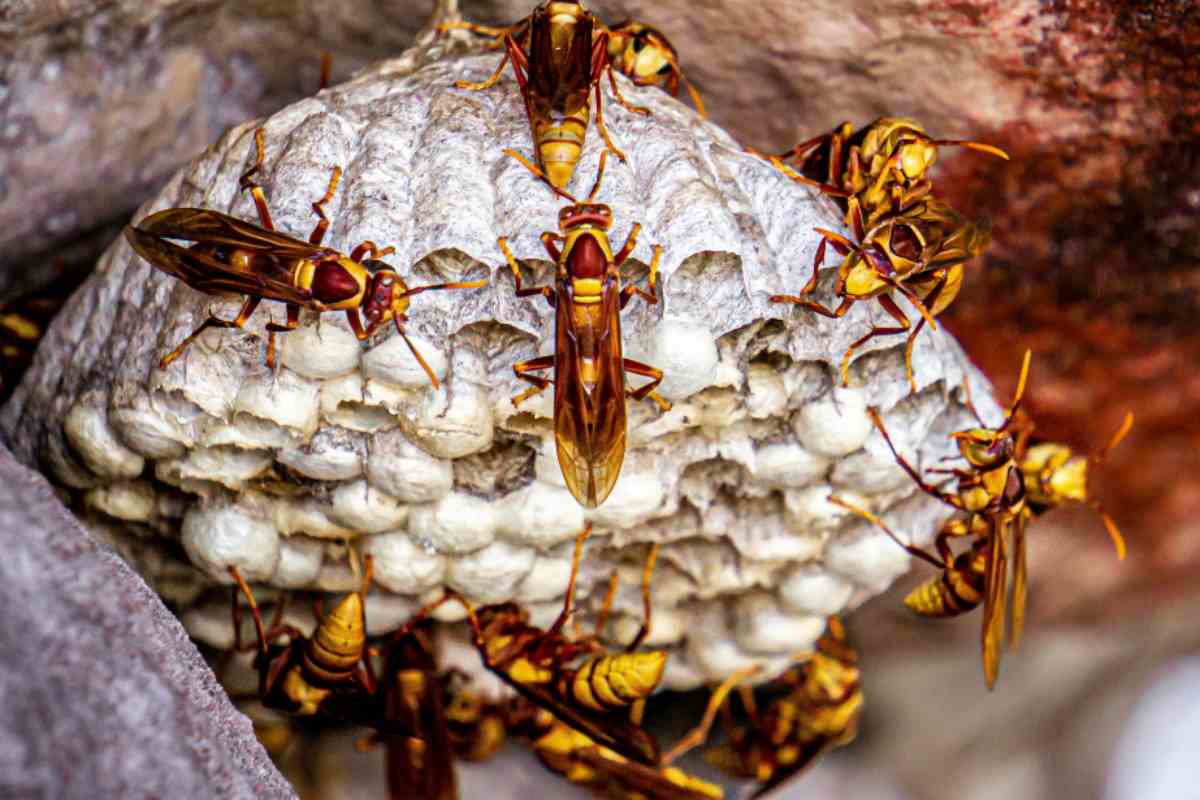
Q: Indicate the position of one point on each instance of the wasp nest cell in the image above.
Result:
(222, 461)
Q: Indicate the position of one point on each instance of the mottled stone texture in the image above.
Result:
(101, 692)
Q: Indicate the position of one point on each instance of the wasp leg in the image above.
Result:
(236, 574)
(647, 574)
(522, 370)
(318, 207)
(913, 550)
(933, 491)
(698, 734)
(368, 248)
(630, 243)
(930, 300)
(889, 305)
(630, 107)
(488, 31)
(212, 322)
(646, 390)
(576, 557)
(293, 319)
(512, 52)
(246, 181)
(614, 579)
(544, 291)
(651, 296)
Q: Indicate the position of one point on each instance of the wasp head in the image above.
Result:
(595, 215)
(387, 297)
(647, 58)
(867, 271)
(984, 447)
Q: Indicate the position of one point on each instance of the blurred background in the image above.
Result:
(1095, 265)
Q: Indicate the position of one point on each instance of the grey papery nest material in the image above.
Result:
(273, 471)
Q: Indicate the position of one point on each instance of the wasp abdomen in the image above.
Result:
(337, 646)
(952, 593)
(617, 681)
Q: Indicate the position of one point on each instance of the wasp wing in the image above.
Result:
(994, 604)
(1020, 580)
(206, 274)
(205, 226)
(589, 425)
(638, 780)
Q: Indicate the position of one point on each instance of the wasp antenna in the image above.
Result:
(1126, 424)
(417, 355)
(539, 174)
(1016, 403)
(1114, 532)
(976, 146)
(599, 175)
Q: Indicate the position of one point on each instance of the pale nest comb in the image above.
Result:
(219, 461)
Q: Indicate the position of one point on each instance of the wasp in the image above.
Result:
(588, 363)
(819, 711)
(598, 693)
(231, 255)
(328, 673)
(565, 57)
(919, 253)
(879, 169)
(415, 725)
(478, 728)
(990, 493)
(1055, 476)
(645, 56)
(581, 761)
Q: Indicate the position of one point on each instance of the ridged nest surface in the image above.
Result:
(218, 460)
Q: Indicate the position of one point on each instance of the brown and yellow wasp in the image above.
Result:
(880, 169)
(581, 761)
(1055, 476)
(563, 59)
(645, 56)
(588, 361)
(919, 253)
(25, 319)
(577, 680)
(819, 712)
(414, 725)
(231, 255)
(639, 52)
(328, 673)
(991, 493)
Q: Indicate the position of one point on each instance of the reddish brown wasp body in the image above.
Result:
(564, 58)
(596, 693)
(588, 362)
(327, 674)
(880, 169)
(416, 733)
(990, 491)
(230, 255)
(920, 253)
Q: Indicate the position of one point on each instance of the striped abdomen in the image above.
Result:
(608, 682)
(558, 140)
(336, 648)
(957, 590)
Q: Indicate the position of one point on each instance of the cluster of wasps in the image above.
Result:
(579, 705)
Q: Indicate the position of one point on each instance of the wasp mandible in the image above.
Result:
(231, 255)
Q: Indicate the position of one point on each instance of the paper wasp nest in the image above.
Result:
(217, 460)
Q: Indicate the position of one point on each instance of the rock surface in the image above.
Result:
(102, 694)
